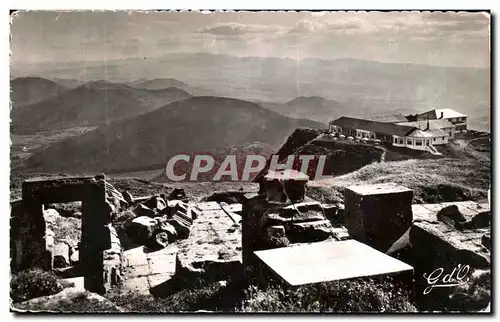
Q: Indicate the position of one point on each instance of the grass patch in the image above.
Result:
(433, 181)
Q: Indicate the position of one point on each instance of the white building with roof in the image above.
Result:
(407, 136)
(456, 118)
(441, 131)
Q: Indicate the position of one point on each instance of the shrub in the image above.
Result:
(33, 283)
(361, 295)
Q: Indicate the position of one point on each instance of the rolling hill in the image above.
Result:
(158, 83)
(31, 90)
(368, 86)
(313, 108)
(192, 126)
(91, 104)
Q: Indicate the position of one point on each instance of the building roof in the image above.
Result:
(372, 126)
(420, 134)
(433, 124)
(427, 134)
(447, 113)
(388, 118)
(437, 133)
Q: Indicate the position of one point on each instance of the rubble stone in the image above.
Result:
(160, 240)
(451, 215)
(155, 202)
(170, 230)
(275, 231)
(141, 229)
(312, 231)
(178, 194)
(128, 196)
(182, 228)
(142, 210)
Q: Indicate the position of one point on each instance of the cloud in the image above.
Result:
(316, 25)
(234, 29)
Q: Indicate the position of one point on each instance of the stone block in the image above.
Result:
(184, 215)
(61, 255)
(284, 185)
(155, 202)
(378, 214)
(181, 227)
(438, 244)
(143, 210)
(170, 230)
(275, 231)
(194, 212)
(340, 233)
(312, 231)
(178, 194)
(141, 229)
(160, 240)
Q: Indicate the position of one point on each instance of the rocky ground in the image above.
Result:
(162, 231)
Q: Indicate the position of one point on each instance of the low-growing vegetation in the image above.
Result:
(360, 295)
(33, 283)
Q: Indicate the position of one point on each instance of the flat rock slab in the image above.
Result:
(376, 189)
(207, 206)
(329, 261)
(144, 270)
(215, 240)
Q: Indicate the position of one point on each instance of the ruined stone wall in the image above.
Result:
(113, 261)
(100, 249)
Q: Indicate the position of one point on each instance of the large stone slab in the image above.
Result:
(329, 261)
(145, 270)
(378, 214)
(213, 249)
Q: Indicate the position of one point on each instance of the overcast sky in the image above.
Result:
(443, 39)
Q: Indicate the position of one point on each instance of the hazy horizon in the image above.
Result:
(423, 38)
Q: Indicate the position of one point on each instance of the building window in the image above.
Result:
(434, 139)
(396, 140)
(401, 141)
(418, 142)
(409, 142)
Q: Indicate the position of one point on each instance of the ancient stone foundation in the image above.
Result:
(279, 216)
(379, 214)
(32, 243)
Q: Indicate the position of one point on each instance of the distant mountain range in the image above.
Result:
(191, 126)
(365, 87)
(91, 104)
